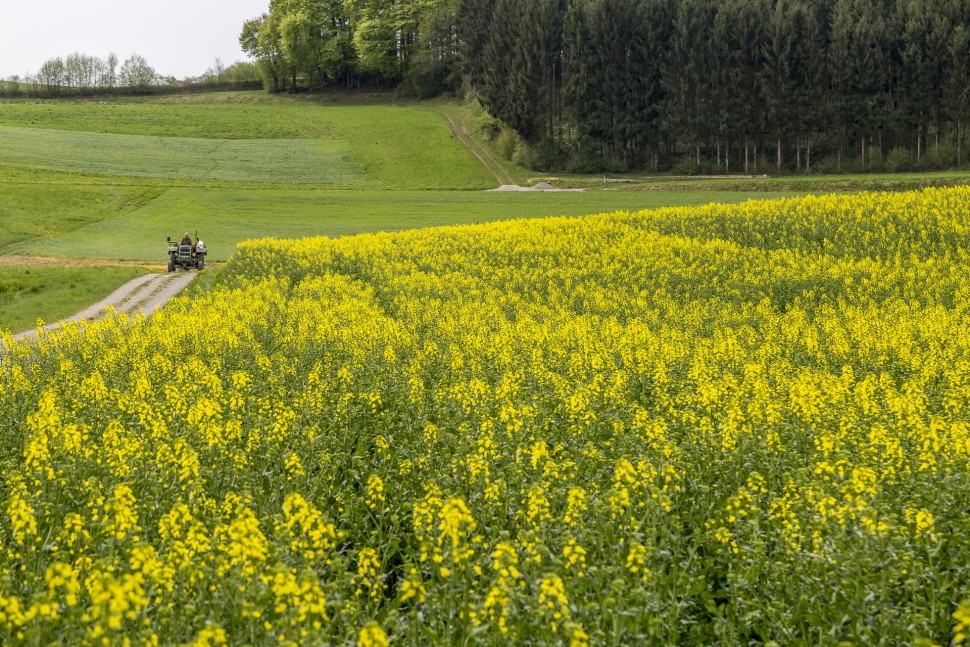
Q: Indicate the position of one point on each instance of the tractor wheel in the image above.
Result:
(201, 263)
(171, 266)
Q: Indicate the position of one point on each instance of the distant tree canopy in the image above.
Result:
(78, 73)
(349, 42)
(82, 75)
(723, 85)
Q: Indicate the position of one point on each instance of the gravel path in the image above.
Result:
(146, 293)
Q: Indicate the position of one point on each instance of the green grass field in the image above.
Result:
(110, 180)
(36, 211)
(326, 162)
(225, 217)
(378, 146)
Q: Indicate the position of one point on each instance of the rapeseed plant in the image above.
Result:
(723, 424)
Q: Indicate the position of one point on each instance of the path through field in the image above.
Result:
(505, 182)
(146, 293)
(460, 132)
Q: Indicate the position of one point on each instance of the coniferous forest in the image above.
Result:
(719, 86)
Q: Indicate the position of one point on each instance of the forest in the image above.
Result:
(725, 86)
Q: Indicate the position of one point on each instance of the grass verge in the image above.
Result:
(53, 292)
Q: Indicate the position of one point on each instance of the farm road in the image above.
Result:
(505, 181)
(146, 293)
(460, 132)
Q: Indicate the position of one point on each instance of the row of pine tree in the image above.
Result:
(723, 85)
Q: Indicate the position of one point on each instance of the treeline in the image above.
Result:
(728, 85)
(697, 85)
(82, 75)
(320, 43)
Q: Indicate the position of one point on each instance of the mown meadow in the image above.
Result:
(727, 424)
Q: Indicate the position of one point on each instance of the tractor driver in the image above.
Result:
(186, 239)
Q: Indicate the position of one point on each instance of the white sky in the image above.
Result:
(177, 37)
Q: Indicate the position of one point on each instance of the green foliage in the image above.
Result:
(434, 67)
(137, 75)
(541, 155)
(642, 83)
(507, 143)
(940, 156)
(613, 69)
(687, 166)
(260, 39)
(322, 42)
(874, 159)
(899, 159)
(731, 83)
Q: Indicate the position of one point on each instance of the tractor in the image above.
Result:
(186, 254)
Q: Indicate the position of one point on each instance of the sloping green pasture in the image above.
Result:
(110, 180)
(387, 147)
(40, 211)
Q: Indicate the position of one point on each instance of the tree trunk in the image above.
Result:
(779, 154)
(842, 143)
(808, 156)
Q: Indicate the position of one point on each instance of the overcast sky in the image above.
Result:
(177, 37)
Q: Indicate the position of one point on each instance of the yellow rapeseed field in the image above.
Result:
(719, 425)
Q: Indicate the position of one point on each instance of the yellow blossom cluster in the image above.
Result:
(729, 424)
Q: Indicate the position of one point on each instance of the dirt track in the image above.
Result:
(146, 293)
(460, 132)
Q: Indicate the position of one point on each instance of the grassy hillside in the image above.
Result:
(109, 180)
(327, 162)
(38, 211)
(388, 147)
